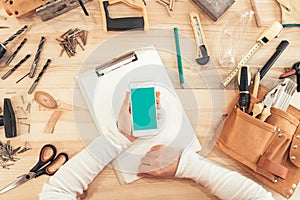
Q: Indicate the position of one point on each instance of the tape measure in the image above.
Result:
(270, 33)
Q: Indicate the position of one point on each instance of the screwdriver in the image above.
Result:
(2, 46)
(244, 79)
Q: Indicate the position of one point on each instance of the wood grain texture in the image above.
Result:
(266, 11)
(59, 81)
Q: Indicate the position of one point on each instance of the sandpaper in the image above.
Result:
(214, 8)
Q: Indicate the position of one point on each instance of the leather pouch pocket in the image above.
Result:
(260, 145)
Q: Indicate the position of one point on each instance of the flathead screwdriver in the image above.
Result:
(2, 46)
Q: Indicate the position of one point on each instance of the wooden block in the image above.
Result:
(22, 7)
(266, 12)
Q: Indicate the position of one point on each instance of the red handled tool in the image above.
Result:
(47, 164)
(294, 71)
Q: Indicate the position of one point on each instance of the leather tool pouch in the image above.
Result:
(269, 150)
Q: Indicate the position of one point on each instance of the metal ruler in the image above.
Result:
(57, 7)
(270, 33)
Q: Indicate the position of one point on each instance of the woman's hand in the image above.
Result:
(124, 118)
(160, 161)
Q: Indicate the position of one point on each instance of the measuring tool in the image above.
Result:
(270, 33)
(200, 40)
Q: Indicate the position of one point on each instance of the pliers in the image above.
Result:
(294, 71)
(263, 109)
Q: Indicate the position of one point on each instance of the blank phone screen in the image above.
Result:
(143, 108)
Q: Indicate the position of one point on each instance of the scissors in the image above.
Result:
(47, 164)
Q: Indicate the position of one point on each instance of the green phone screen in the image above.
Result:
(143, 108)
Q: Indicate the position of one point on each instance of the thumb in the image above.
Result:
(127, 99)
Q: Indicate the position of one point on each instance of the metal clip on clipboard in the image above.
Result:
(116, 63)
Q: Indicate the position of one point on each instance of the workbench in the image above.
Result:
(59, 81)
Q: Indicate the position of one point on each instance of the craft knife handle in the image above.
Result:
(280, 48)
(244, 82)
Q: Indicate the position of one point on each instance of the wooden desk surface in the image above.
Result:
(59, 81)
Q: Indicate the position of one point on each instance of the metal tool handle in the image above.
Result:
(47, 154)
(54, 165)
(244, 82)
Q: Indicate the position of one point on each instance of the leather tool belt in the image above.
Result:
(269, 150)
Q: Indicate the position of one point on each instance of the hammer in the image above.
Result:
(8, 119)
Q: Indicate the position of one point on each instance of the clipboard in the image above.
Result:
(103, 89)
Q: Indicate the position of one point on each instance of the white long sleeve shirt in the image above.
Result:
(73, 178)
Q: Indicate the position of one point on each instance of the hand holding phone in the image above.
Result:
(143, 109)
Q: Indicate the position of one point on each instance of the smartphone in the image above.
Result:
(143, 109)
